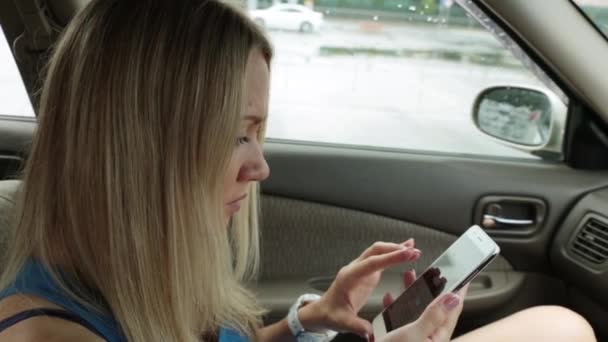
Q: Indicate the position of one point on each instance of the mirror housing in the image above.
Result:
(526, 118)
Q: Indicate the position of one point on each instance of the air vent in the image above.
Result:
(591, 242)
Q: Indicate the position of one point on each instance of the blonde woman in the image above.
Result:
(137, 216)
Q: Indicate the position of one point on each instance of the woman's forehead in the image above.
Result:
(257, 86)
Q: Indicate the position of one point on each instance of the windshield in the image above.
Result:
(597, 11)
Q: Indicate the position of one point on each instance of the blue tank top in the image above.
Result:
(35, 280)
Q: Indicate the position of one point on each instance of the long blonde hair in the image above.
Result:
(122, 189)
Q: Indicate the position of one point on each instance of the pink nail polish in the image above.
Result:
(451, 302)
(414, 256)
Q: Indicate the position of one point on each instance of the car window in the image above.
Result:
(13, 96)
(399, 74)
(597, 11)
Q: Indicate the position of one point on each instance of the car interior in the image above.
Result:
(325, 203)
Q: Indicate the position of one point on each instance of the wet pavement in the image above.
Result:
(360, 93)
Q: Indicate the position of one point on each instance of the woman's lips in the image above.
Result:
(235, 205)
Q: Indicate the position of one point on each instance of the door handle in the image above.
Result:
(510, 215)
(492, 221)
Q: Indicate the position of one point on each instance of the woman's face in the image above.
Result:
(248, 163)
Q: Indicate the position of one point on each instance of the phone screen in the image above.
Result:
(444, 275)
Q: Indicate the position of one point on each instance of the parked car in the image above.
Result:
(288, 17)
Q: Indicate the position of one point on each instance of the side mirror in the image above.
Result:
(525, 118)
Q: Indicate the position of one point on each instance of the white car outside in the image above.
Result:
(288, 17)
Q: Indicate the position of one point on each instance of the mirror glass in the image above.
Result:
(518, 115)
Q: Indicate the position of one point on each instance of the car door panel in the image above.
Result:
(434, 190)
(323, 205)
(304, 244)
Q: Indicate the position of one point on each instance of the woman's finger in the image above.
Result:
(380, 247)
(380, 262)
(409, 278)
(387, 299)
(438, 313)
(444, 333)
(409, 243)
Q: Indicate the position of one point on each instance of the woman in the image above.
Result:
(137, 218)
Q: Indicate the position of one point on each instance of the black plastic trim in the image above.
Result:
(593, 279)
(585, 141)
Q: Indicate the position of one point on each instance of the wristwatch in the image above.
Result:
(298, 331)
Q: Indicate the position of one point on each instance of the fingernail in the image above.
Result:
(451, 302)
(415, 255)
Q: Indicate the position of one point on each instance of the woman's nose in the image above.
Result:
(256, 169)
(260, 170)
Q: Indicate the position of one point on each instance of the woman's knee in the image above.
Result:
(560, 323)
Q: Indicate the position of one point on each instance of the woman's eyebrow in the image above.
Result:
(254, 118)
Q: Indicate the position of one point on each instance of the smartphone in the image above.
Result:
(452, 270)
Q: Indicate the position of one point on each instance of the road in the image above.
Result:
(419, 101)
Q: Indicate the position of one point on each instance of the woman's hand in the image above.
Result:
(437, 322)
(339, 306)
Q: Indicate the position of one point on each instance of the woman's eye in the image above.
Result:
(242, 140)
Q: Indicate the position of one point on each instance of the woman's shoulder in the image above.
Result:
(39, 328)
